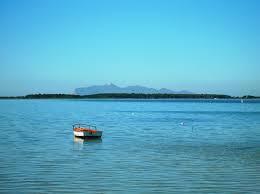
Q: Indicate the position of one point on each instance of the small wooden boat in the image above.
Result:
(86, 131)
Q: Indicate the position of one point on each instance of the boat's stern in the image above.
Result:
(88, 133)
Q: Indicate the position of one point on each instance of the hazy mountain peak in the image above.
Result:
(111, 84)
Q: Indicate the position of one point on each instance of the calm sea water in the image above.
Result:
(147, 147)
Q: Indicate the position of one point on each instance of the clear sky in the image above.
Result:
(205, 46)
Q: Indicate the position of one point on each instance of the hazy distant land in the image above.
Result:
(111, 91)
(136, 89)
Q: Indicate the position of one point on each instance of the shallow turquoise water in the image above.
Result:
(147, 146)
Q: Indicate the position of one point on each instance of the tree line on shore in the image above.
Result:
(127, 96)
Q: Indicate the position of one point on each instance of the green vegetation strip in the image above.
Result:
(127, 96)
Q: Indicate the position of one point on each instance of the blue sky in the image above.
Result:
(204, 46)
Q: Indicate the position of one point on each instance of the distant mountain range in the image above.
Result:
(111, 88)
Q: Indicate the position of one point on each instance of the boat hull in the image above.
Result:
(87, 134)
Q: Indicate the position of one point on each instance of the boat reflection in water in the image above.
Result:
(79, 142)
(87, 140)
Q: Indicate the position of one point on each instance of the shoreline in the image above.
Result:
(135, 96)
